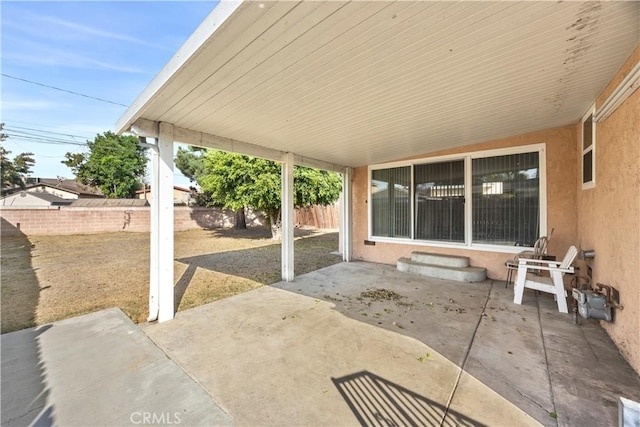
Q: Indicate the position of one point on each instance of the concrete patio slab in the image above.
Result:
(354, 343)
(274, 357)
(560, 373)
(97, 369)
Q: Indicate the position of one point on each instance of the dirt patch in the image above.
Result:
(48, 278)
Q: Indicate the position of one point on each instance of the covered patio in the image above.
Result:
(352, 344)
(353, 87)
(340, 85)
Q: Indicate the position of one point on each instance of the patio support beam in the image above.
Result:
(164, 223)
(346, 215)
(286, 208)
(149, 129)
(154, 242)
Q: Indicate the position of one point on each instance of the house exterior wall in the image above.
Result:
(24, 199)
(179, 196)
(608, 218)
(561, 203)
(55, 191)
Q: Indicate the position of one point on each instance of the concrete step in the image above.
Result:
(439, 259)
(460, 274)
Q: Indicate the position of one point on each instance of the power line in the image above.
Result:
(63, 90)
(50, 131)
(40, 125)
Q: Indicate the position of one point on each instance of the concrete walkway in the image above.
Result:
(97, 370)
(351, 344)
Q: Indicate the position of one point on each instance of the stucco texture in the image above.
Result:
(609, 214)
(561, 203)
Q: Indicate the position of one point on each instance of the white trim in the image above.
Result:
(346, 211)
(165, 224)
(626, 87)
(590, 184)
(412, 205)
(154, 242)
(468, 210)
(149, 129)
(435, 244)
(286, 209)
(468, 206)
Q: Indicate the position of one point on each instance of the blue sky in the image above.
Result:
(109, 50)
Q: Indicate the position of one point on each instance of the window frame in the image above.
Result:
(467, 157)
(591, 112)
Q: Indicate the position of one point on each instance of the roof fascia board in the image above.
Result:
(150, 129)
(210, 25)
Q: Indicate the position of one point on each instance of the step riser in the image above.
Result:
(442, 260)
(469, 274)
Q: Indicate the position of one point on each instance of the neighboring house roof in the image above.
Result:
(175, 187)
(26, 198)
(70, 185)
(109, 203)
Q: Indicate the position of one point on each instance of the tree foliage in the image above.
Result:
(115, 164)
(236, 181)
(14, 171)
(191, 163)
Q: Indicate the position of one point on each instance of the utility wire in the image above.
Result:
(49, 131)
(62, 90)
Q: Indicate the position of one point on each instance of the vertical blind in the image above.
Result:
(390, 202)
(506, 199)
(439, 201)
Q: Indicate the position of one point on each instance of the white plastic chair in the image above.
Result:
(553, 285)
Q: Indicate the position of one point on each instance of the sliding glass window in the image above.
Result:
(506, 200)
(391, 202)
(439, 201)
(496, 199)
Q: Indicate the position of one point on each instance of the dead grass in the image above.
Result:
(49, 278)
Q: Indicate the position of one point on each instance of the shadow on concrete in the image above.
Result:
(23, 393)
(377, 401)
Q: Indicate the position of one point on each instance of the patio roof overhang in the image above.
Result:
(357, 83)
(336, 85)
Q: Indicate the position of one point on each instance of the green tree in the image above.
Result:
(15, 171)
(236, 181)
(191, 163)
(115, 164)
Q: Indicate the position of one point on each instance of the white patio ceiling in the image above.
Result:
(357, 83)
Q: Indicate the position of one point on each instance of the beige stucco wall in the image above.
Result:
(561, 203)
(609, 214)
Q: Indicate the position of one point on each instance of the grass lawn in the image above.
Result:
(48, 278)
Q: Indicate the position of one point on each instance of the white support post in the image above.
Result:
(287, 216)
(346, 215)
(154, 242)
(165, 223)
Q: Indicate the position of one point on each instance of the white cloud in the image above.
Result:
(91, 31)
(36, 54)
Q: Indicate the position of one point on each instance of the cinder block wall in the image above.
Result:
(67, 220)
(89, 220)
